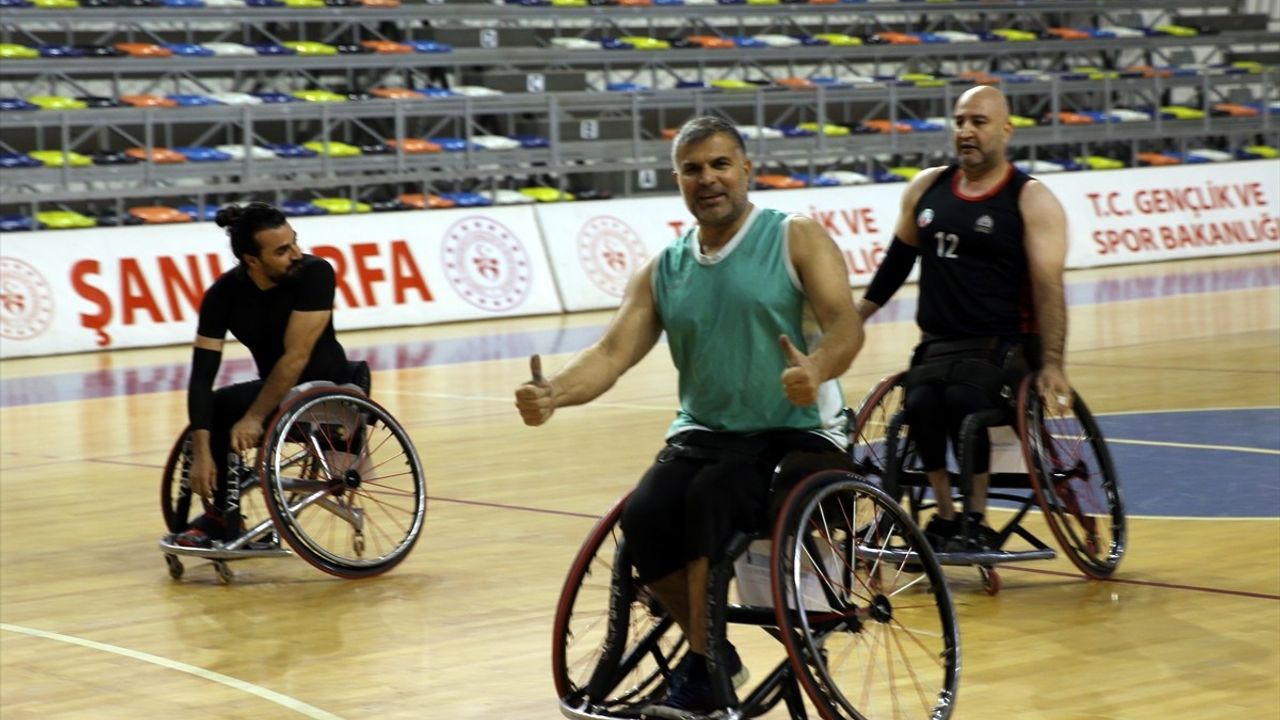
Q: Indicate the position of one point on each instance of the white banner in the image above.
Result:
(595, 247)
(1169, 213)
(107, 288)
(1117, 216)
(75, 290)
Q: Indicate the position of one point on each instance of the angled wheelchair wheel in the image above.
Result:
(862, 605)
(869, 441)
(1074, 481)
(613, 646)
(343, 482)
(867, 434)
(179, 507)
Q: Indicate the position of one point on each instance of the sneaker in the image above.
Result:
(689, 695)
(939, 531)
(978, 537)
(981, 537)
(191, 537)
(202, 531)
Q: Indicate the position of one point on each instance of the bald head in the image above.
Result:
(982, 129)
(984, 100)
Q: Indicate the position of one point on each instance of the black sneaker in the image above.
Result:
(978, 537)
(939, 531)
(689, 695)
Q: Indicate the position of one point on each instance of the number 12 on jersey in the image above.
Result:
(947, 243)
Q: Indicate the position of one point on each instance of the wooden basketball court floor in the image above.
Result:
(93, 627)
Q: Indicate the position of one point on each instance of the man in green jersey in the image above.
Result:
(760, 322)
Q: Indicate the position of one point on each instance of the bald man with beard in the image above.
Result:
(992, 243)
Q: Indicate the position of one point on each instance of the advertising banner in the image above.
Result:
(1170, 213)
(595, 247)
(107, 288)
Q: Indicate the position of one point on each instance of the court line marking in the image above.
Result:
(1152, 583)
(1194, 446)
(1122, 441)
(1189, 410)
(285, 701)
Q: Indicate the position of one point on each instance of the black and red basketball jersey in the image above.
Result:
(973, 266)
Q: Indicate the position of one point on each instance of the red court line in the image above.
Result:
(1153, 583)
(589, 516)
(501, 506)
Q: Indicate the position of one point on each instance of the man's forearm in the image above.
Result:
(587, 376)
(283, 377)
(839, 346)
(1051, 312)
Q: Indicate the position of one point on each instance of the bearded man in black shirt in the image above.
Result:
(278, 302)
(992, 243)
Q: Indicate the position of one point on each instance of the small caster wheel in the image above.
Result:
(224, 572)
(990, 579)
(175, 566)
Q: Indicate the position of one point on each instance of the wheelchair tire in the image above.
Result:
(343, 482)
(1074, 481)
(870, 423)
(862, 605)
(869, 448)
(612, 648)
(179, 511)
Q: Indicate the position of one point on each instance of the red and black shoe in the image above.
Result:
(202, 531)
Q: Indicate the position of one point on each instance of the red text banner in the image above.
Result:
(129, 287)
(1170, 213)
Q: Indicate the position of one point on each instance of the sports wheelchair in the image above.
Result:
(341, 484)
(1058, 462)
(844, 580)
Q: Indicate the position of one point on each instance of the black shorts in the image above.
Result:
(705, 486)
(951, 378)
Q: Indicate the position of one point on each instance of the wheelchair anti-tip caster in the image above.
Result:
(224, 572)
(175, 566)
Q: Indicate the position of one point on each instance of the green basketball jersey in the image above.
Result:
(723, 314)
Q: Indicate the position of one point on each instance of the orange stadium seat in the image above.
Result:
(1069, 118)
(159, 214)
(397, 93)
(1067, 33)
(778, 182)
(159, 155)
(1156, 159)
(885, 126)
(141, 49)
(148, 101)
(388, 47)
(711, 41)
(414, 146)
(428, 201)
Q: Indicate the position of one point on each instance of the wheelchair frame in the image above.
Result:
(316, 452)
(875, 563)
(1057, 478)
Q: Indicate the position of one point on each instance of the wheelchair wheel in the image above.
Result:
(868, 441)
(862, 605)
(613, 646)
(179, 507)
(343, 482)
(1074, 481)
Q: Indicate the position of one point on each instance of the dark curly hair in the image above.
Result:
(243, 222)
